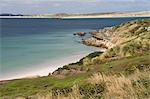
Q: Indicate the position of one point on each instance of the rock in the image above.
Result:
(98, 43)
(61, 73)
(80, 33)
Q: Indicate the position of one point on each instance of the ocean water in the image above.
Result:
(30, 45)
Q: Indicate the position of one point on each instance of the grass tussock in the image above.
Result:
(135, 86)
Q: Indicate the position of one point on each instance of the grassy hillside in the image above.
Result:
(50, 84)
(126, 66)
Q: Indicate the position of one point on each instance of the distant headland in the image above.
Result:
(75, 15)
(9, 14)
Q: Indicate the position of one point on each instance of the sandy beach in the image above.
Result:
(43, 69)
(111, 15)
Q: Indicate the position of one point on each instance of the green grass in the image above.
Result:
(27, 87)
(122, 65)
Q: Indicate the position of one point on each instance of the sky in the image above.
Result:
(72, 6)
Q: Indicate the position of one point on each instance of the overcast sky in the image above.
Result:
(71, 6)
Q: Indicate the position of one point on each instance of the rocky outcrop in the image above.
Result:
(66, 70)
(105, 44)
(80, 33)
(100, 38)
(112, 36)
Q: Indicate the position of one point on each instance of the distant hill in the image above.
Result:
(79, 15)
(9, 14)
(95, 15)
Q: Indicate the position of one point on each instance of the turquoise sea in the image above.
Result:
(30, 45)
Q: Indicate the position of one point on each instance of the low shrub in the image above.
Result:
(94, 90)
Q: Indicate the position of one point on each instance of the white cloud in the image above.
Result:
(31, 6)
(34, 1)
(58, 2)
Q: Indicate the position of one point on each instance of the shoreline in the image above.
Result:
(47, 67)
(71, 17)
(85, 15)
(90, 17)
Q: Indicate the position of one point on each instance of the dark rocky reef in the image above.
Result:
(80, 34)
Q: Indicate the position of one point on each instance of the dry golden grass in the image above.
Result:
(121, 87)
(116, 87)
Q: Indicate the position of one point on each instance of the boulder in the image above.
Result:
(80, 34)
